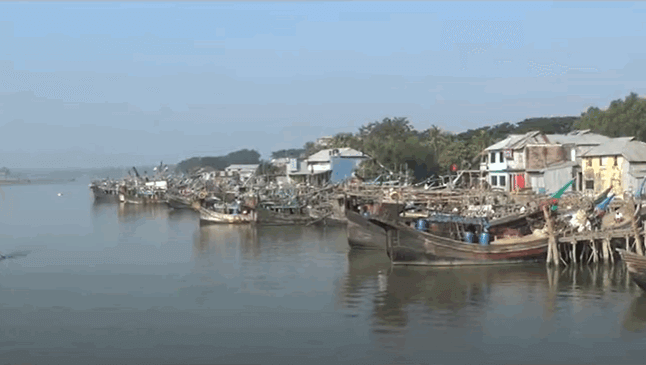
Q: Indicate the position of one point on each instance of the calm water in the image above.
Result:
(105, 284)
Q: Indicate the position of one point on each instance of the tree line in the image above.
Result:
(396, 146)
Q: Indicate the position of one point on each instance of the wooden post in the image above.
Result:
(633, 220)
(552, 251)
(604, 250)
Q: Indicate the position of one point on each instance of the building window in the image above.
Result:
(494, 181)
(601, 161)
(589, 185)
(493, 157)
(615, 161)
(503, 181)
(502, 157)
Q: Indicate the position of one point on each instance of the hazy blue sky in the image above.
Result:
(101, 84)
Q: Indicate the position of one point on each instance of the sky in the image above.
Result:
(91, 84)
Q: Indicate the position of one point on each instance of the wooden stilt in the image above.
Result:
(633, 219)
(552, 240)
(604, 251)
(574, 254)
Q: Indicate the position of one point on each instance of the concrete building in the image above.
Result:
(535, 160)
(245, 171)
(329, 165)
(620, 163)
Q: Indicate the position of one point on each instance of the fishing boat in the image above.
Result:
(636, 266)
(270, 214)
(364, 233)
(105, 193)
(153, 192)
(179, 201)
(447, 240)
(215, 211)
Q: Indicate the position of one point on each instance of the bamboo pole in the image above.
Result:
(552, 251)
(633, 220)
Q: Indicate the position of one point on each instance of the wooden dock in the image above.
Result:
(599, 246)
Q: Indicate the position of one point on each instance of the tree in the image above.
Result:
(622, 118)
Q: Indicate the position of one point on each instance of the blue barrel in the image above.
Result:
(468, 237)
(366, 214)
(422, 225)
(484, 238)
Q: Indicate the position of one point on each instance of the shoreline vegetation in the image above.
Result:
(397, 147)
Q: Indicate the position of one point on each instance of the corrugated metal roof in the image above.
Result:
(324, 155)
(241, 167)
(517, 141)
(633, 151)
(579, 138)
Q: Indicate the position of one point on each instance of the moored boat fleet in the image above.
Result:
(410, 225)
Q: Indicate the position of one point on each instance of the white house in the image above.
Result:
(319, 167)
(244, 170)
(505, 161)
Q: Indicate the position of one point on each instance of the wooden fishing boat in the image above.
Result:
(179, 201)
(406, 245)
(103, 194)
(138, 195)
(364, 233)
(282, 216)
(227, 214)
(636, 266)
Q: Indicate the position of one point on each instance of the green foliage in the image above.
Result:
(290, 153)
(397, 146)
(244, 156)
(623, 118)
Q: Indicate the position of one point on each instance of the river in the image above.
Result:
(108, 284)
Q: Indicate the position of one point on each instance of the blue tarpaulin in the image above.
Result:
(342, 168)
(449, 218)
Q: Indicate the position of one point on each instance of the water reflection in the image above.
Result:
(210, 237)
(448, 291)
(635, 318)
(130, 212)
(367, 271)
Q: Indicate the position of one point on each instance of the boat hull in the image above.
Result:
(142, 200)
(176, 202)
(363, 234)
(636, 266)
(407, 246)
(211, 217)
(275, 218)
(103, 196)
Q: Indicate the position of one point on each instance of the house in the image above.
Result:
(620, 162)
(543, 162)
(280, 162)
(509, 161)
(245, 171)
(329, 165)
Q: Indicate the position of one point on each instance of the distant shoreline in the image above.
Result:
(33, 182)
